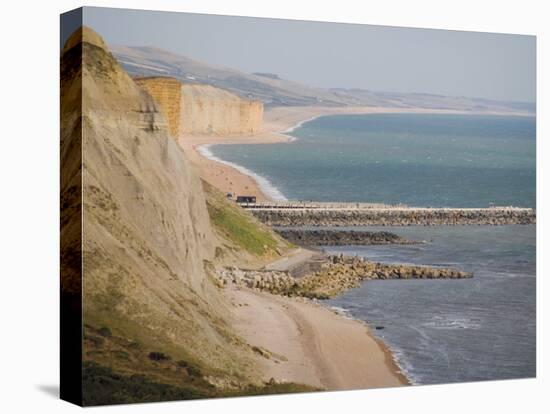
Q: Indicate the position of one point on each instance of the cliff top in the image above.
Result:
(87, 35)
(212, 92)
(156, 78)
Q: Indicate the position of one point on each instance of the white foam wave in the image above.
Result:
(344, 313)
(267, 188)
(298, 125)
(396, 354)
(406, 369)
(453, 322)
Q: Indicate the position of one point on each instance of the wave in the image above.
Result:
(266, 187)
(397, 355)
(299, 124)
(344, 313)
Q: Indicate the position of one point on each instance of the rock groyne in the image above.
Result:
(393, 216)
(336, 275)
(315, 237)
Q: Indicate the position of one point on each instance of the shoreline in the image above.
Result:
(270, 192)
(393, 355)
(308, 342)
(278, 124)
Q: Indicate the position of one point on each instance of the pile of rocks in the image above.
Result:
(322, 237)
(337, 274)
(270, 280)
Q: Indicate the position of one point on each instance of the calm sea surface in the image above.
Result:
(440, 330)
(415, 159)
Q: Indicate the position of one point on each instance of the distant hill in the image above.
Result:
(432, 101)
(149, 61)
(274, 91)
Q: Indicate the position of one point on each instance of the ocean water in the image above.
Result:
(415, 159)
(444, 331)
(441, 331)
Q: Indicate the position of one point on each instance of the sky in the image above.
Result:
(329, 55)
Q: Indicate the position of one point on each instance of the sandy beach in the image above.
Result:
(277, 122)
(307, 343)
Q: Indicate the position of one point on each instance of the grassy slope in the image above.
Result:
(240, 228)
(119, 371)
(103, 386)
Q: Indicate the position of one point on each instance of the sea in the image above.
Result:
(440, 331)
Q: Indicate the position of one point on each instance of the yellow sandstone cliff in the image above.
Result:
(192, 109)
(167, 93)
(213, 111)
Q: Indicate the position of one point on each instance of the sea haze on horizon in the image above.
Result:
(414, 159)
(333, 55)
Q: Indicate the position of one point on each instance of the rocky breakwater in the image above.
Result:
(313, 237)
(337, 274)
(394, 216)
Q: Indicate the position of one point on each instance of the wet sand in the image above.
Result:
(307, 343)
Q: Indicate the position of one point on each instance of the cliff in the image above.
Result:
(167, 93)
(202, 109)
(147, 240)
(209, 110)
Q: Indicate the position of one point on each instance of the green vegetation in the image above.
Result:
(238, 226)
(115, 371)
(192, 370)
(239, 230)
(103, 386)
(104, 331)
(159, 356)
(276, 388)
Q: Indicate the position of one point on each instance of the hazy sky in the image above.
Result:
(327, 55)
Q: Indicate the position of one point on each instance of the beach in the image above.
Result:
(300, 341)
(278, 122)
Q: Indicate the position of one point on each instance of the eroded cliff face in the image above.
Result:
(167, 93)
(192, 109)
(212, 111)
(146, 233)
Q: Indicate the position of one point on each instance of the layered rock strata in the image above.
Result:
(193, 109)
(167, 93)
(206, 110)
